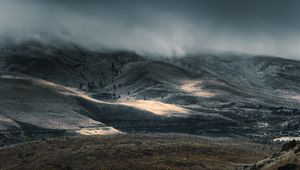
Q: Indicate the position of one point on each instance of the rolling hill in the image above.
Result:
(35, 108)
(67, 87)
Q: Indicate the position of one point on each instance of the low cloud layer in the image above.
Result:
(168, 28)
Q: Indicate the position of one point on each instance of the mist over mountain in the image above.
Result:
(167, 28)
(138, 84)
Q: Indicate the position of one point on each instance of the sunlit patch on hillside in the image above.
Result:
(196, 88)
(6, 121)
(286, 139)
(70, 91)
(99, 131)
(295, 97)
(159, 108)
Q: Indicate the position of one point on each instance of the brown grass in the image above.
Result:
(132, 152)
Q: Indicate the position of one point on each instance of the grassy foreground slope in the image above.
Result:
(168, 151)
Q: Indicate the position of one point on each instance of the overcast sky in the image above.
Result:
(162, 27)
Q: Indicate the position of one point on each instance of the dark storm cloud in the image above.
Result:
(165, 27)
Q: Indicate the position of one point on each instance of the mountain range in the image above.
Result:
(50, 90)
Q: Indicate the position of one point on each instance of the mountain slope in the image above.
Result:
(253, 71)
(66, 64)
(37, 108)
(252, 95)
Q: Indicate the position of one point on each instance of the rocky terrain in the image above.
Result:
(287, 159)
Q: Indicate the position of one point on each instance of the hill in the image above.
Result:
(33, 108)
(244, 96)
(167, 151)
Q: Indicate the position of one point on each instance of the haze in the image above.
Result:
(160, 28)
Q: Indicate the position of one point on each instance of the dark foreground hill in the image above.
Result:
(133, 152)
